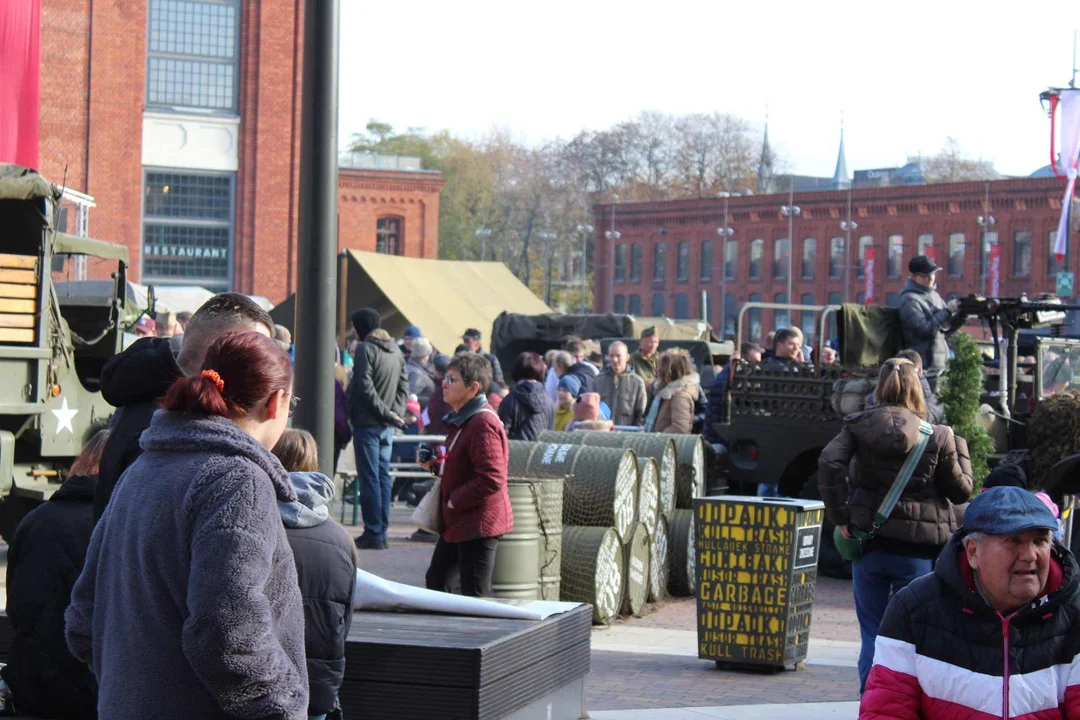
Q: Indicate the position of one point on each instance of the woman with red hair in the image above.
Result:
(188, 603)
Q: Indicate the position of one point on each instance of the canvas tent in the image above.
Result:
(441, 297)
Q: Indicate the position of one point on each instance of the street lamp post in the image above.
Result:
(547, 237)
(848, 226)
(483, 233)
(790, 211)
(986, 222)
(724, 232)
(612, 235)
(586, 231)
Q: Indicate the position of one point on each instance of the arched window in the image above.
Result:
(620, 265)
(757, 252)
(809, 257)
(388, 235)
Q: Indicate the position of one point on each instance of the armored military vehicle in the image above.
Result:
(51, 351)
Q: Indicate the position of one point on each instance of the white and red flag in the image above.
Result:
(1069, 107)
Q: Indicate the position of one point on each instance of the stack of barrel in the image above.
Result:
(680, 461)
(624, 536)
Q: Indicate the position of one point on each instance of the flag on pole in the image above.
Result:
(20, 81)
(1069, 105)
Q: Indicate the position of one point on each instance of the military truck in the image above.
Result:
(52, 351)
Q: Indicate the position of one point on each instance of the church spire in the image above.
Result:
(841, 179)
(765, 164)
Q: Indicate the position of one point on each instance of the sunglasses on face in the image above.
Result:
(450, 380)
(294, 401)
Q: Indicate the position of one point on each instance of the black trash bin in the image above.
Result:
(756, 561)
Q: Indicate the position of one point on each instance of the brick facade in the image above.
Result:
(365, 196)
(1018, 206)
(93, 96)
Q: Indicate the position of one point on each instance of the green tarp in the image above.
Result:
(869, 334)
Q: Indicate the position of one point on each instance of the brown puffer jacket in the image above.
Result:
(856, 470)
(677, 398)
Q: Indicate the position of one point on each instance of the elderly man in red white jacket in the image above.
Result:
(993, 632)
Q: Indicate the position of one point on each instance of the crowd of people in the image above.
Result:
(193, 539)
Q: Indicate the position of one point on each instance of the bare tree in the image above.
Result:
(951, 164)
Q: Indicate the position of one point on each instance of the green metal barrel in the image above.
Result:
(690, 478)
(517, 560)
(648, 493)
(636, 561)
(659, 447)
(681, 544)
(551, 530)
(601, 483)
(658, 563)
(592, 570)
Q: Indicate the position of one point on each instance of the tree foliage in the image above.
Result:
(518, 191)
(951, 164)
(961, 391)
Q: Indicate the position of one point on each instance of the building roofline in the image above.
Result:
(426, 177)
(898, 193)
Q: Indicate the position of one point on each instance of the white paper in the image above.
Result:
(376, 593)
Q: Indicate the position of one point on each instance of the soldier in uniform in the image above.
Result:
(644, 360)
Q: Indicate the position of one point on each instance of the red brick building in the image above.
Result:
(182, 118)
(667, 253)
(388, 204)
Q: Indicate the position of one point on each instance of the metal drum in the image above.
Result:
(517, 559)
(551, 531)
(658, 564)
(601, 483)
(659, 447)
(592, 570)
(681, 544)
(648, 493)
(636, 561)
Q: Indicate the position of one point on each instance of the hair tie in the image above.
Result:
(896, 367)
(212, 376)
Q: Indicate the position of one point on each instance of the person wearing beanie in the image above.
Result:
(407, 338)
(589, 414)
(377, 395)
(569, 389)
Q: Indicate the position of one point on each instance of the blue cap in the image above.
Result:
(571, 383)
(1005, 510)
(413, 332)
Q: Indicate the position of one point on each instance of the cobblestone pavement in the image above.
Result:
(629, 680)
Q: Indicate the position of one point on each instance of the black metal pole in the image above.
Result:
(316, 295)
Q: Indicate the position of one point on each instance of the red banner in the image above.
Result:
(931, 253)
(20, 81)
(995, 270)
(868, 275)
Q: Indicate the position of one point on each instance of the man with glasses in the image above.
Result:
(377, 395)
(924, 316)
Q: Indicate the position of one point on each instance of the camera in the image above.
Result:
(423, 454)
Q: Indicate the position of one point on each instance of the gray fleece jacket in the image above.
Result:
(188, 604)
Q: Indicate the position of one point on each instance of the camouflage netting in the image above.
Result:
(600, 483)
(1053, 432)
(592, 570)
(551, 527)
(849, 395)
(648, 493)
(659, 447)
(681, 548)
(636, 558)
(659, 563)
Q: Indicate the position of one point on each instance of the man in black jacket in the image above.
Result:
(377, 395)
(137, 378)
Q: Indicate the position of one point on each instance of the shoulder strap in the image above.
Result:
(901, 481)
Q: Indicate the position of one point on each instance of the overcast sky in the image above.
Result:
(904, 75)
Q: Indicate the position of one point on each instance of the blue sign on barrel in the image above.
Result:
(1065, 284)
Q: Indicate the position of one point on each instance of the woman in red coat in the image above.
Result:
(475, 500)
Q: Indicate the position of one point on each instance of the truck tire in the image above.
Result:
(830, 562)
